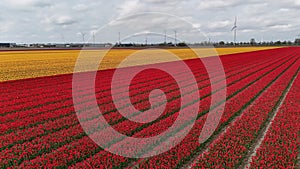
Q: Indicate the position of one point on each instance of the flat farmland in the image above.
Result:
(29, 64)
(259, 127)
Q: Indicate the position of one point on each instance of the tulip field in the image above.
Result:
(259, 127)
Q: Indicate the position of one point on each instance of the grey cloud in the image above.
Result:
(163, 2)
(28, 3)
(60, 20)
(223, 4)
(64, 20)
(50, 20)
(80, 7)
(42, 4)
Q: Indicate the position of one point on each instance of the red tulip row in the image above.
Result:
(20, 115)
(20, 136)
(61, 142)
(24, 114)
(233, 86)
(229, 150)
(45, 115)
(38, 146)
(57, 90)
(163, 124)
(52, 94)
(279, 147)
(88, 95)
(190, 144)
(127, 128)
(45, 82)
(109, 115)
(55, 107)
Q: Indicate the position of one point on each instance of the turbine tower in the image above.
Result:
(146, 40)
(175, 37)
(83, 36)
(165, 37)
(94, 41)
(234, 28)
(297, 40)
(119, 38)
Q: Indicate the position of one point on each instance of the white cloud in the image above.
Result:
(60, 20)
(80, 7)
(281, 27)
(219, 25)
(218, 4)
(128, 7)
(28, 3)
(162, 2)
(52, 18)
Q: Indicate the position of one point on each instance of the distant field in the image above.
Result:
(29, 64)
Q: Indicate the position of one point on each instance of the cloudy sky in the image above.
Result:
(31, 21)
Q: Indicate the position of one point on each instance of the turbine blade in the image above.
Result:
(233, 28)
(235, 21)
(234, 25)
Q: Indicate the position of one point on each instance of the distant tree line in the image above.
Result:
(253, 43)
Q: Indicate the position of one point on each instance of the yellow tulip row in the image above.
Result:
(16, 65)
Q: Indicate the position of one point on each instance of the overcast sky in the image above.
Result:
(31, 21)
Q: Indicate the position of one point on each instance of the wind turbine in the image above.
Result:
(119, 38)
(146, 40)
(297, 40)
(234, 28)
(83, 36)
(165, 37)
(175, 37)
(94, 38)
